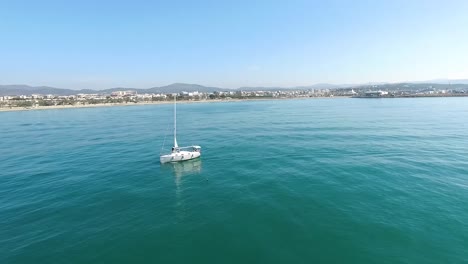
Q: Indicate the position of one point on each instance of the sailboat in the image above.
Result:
(180, 153)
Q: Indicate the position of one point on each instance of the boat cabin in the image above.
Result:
(190, 148)
(196, 148)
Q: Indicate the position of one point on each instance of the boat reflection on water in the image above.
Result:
(180, 170)
(184, 168)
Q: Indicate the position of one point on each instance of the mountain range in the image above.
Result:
(18, 89)
(172, 88)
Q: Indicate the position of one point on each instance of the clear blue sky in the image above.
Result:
(102, 44)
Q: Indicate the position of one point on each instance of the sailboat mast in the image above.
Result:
(175, 122)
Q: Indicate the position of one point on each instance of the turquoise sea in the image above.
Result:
(289, 181)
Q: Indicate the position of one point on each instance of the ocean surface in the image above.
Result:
(290, 181)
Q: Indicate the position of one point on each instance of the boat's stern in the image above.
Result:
(196, 149)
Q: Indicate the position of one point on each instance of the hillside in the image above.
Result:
(172, 88)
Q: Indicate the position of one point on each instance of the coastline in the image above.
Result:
(104, 105)
(13, 109)
(412, 96)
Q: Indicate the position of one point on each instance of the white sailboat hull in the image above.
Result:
(179, 156)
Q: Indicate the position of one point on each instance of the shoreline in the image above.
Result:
(411, 96)
(95, 105)
(14, 109)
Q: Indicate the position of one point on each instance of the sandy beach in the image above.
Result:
(126, 104)
(102, 105)
(152, 103)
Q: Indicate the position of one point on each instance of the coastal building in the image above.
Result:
(123, 93)
(376, 93)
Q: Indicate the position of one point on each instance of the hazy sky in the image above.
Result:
(102, 44)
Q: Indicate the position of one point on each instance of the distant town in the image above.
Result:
(31, 100)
